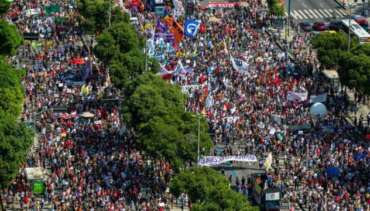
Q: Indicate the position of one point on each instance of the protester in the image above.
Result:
(252, 93)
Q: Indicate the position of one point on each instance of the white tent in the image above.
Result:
(36, 173)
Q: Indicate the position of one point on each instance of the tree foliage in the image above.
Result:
(276, 7)
(353, 67)
(209, 190)
(156, 110)
(11, 91)
(94, 14)
(10, 39)
(4, 6)
(125, 36)
(106, 47)
(15, 140)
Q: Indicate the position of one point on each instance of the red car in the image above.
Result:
(361, 20)
(320, 26)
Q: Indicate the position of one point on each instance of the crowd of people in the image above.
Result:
(234, 73)
(90, 157)
(250, 104)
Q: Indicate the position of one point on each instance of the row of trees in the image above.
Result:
(15, 137)
(353, 63)
(156, 110)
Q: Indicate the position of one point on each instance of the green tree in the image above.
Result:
(9, 38)
(362, 49)
(106, 47)
(275, 7)
(329, 46)
(154, 97)
(4, 6)
(15, 141)
(125, 36)
(11, 91)
(354, 72)
(156, 110)
(208, 190)
(94, 15)
(126, 67)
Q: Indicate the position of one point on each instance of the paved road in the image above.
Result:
(315, 10)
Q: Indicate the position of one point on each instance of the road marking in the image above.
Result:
(295, 15)
(326, 12)
(310, 12)
(317, 13)
(341, 12)
(302, 14)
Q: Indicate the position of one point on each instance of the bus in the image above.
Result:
(357, 30)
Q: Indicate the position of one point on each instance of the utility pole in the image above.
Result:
(287, 34)
(349, 26)
(289, 8)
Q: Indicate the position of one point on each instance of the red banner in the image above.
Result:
(222, 4)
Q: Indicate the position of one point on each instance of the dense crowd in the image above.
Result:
(91, 159)
(91, 156)
(325, 167)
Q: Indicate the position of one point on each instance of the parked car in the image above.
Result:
(335, 25)
(306, 26)
(320, 26)
(361, 20)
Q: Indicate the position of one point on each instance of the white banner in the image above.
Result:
(239, 65)
(273, 196)
(217, 160)
(297, 96)
(318, 98)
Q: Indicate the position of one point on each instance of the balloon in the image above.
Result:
(318, 110)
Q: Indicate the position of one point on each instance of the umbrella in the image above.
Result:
(87, 114)
(333, 171)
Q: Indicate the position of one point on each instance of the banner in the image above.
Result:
(238, 64)
(31, 12)
(222, 4)
(297, 96)
(191, 27)
(217, 160)
(175, 28)
(318, 98)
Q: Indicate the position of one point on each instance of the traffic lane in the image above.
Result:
(311, 4)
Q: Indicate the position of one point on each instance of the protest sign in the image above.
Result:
(217, 160)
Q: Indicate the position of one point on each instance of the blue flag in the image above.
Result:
(191, 27)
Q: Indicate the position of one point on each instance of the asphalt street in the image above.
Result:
(318, 10)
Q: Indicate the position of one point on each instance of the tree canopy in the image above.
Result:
(95, 14)
(10, 39)
(4, 6)
(156, 109)
(208, 190)
(15, 140)
(353, 67)
(11, 90)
